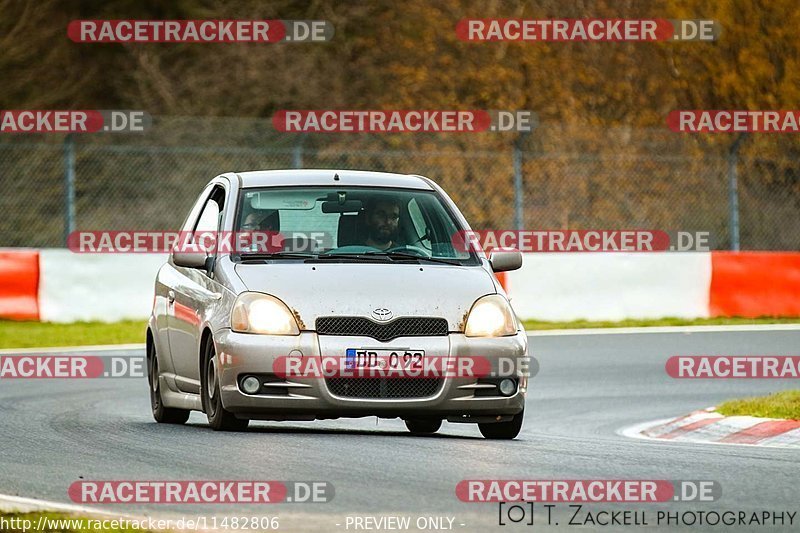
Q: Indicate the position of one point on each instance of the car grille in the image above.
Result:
(399, 327)
(383, 387)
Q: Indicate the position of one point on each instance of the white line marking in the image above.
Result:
(635, 431)
(47, 505)
(74, 349)
(533, 333)
(664, 329)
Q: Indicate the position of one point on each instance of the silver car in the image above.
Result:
(368, 265)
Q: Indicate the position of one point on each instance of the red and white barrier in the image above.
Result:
(19, 284)
(611, 286)
(60, 286)
(752, 284)
(105, 287)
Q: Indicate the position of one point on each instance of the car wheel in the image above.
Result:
(423, 427)
(162, 415)
(219, 418)
(503, 430)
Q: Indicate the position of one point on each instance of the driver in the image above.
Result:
(382, 218)
(262, 222)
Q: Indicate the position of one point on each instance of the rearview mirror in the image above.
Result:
(505, 260)
(348, 206)
(189, 259)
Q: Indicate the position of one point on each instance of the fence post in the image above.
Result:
(69, 186)
(733, 191)
(519, 200)
(297, 152)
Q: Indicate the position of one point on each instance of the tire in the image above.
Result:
(422, 426)
(219, 418)
(503, 430)
(161, 414)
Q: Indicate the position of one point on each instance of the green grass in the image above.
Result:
(15, 522)
(580, 324)
(784, 404)
(44, 334)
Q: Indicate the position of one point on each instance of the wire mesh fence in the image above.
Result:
(565, 177)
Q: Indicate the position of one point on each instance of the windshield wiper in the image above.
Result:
(259, 256)
(351, 256)
(406, 255)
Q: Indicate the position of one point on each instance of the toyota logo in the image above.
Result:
(382, 314)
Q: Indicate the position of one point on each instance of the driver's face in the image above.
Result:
(257, 222)
(383, 221)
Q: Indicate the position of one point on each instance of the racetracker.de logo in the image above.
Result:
(562, 240)
(581, 241)
(194, 242)
(203, 492)
(403, 121)
(70, 367)
(174, 492)
(199, 31)
(594, 30)
(733, 121)
(733, 367)
(568, 490)
(398, 363)
(55, 121)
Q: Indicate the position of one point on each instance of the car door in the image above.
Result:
(168, 278)
(192, 291)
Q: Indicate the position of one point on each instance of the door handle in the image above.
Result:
(171, 296)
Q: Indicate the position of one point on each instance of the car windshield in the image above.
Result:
(352, 224)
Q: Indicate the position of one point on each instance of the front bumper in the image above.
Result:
(310, 398)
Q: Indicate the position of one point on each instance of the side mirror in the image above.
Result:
(505, 260)
(189, 259)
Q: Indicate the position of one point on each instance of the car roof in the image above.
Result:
(322, 177)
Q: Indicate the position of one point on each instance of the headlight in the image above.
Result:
(491, 316)
(254, 312)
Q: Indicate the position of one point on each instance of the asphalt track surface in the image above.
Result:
(56, 432)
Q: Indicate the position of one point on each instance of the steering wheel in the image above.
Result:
(415, 250)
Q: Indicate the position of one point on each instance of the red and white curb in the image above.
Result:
(708, 426)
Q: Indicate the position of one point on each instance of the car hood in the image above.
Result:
(312, 290)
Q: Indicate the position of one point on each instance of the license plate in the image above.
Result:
(384, 359)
